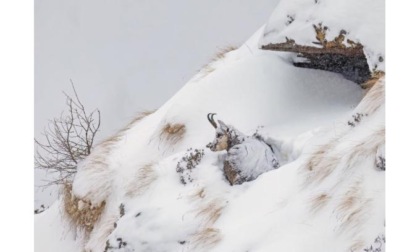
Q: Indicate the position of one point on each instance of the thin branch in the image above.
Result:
(68, 139)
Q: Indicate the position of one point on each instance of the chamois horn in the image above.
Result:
(211, 120)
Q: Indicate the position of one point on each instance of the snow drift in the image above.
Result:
(328, 194)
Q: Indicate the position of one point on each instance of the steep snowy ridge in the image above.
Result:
(328, 195)
(362, 22)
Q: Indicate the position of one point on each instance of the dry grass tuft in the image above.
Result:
(210, 213)
(145, 176)
(108, 143)
(136, 119)
(367, 148)
(320, 165)
(206, 238)
(116, 137)
(376, 75)
(81, 214)
(375, 97)
(221, 54)
(357, 245)
(337, 42)
(319, 202)
(173, 133)
(351, 207)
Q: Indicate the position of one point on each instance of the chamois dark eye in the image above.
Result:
(219, 135)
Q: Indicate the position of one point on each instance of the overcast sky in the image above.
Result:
(126, 56)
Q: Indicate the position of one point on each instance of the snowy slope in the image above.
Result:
(328, 196)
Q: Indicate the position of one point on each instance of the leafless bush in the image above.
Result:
(67, 140)
(189, 161)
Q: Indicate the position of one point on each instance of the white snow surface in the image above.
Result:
(364, 22)
(328, 196)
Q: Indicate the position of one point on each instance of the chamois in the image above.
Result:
(247, 156)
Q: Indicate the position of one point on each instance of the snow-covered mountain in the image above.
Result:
(328, 194)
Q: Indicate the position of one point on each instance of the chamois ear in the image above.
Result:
(223, 126)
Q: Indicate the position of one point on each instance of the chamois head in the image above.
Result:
(220, 142)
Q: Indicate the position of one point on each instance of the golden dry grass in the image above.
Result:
(376, 75)
(81, 214)
(110, 141)
(173, 133)
(375, 97)
(351, 207)
(210, 213)
(144, 178)
(221, 54)
(206, 238)
(357, 245)
(319, 202)
(137, 118)
(223, 51)
(337, 42)
(321, 164)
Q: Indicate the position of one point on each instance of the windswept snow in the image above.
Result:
(328, 195)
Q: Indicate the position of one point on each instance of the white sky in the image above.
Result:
(126, 56)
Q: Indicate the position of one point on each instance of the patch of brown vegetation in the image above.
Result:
(136, 119)
(337, 42)
(106, 145)
(350, 209)
(376, 76)
(375, 97)
(144, 178)
(325, 168)
(223, 51)
(320, 165)
(81, 214)
(221, 54)
(367, 148)
(210, 213)
(319, 202)
(206, 238)
(357, 245)
(173, 133)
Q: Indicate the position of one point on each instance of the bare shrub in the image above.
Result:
(67, 140)
(81, 214)
(189, 161)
